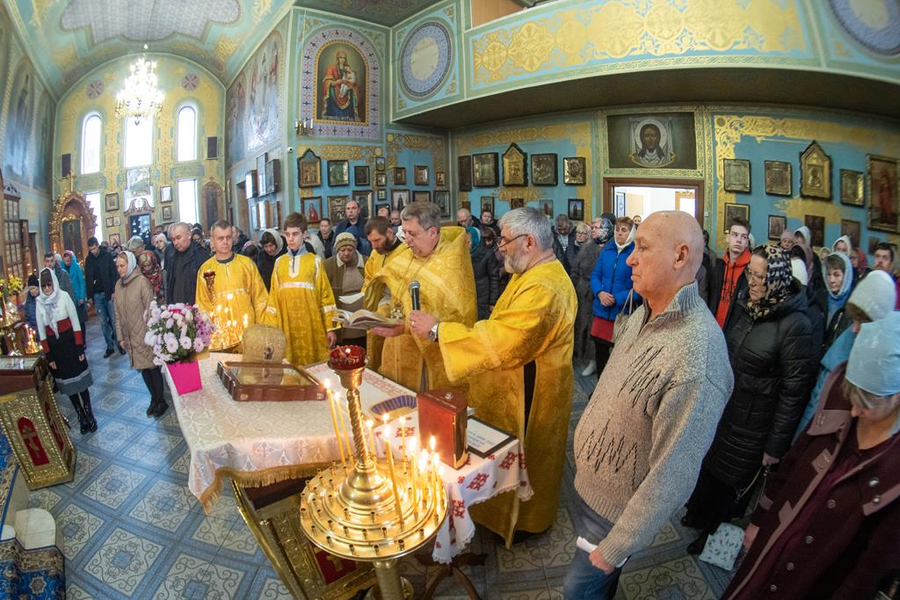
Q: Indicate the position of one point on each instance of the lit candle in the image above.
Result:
(246, 320)
(412, 474)
(371, 426)
(337, 433)
(390, 459)
(387, 439)
(343, 425)
(403, 436)
(438, 482)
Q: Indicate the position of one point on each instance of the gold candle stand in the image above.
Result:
(350, 511)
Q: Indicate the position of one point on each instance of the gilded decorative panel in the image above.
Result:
(581, 38)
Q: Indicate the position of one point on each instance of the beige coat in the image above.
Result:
(133, 297)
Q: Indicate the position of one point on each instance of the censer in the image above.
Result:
(369, 510)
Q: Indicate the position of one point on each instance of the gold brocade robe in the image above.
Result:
(301, 304)
(532, 322)
(373, 294)
(240, 278)
(447, 291)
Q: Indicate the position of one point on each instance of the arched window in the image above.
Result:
(91, 132)
(138, 142)
(187, 200)
(187, 134)
(93, 202)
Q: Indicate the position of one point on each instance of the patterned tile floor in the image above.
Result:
(132, 529)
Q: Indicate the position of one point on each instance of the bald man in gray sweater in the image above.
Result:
(641, 440)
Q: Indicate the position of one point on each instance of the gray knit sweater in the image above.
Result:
(651, 419)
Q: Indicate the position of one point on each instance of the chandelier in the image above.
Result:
(140, 97)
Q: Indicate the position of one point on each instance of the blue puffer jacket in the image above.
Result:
(613, 276)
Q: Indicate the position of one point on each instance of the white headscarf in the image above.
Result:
(279, 241)
(48, 301)
(620, 247)
(132, 263)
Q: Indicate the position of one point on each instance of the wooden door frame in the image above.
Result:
(610, 183)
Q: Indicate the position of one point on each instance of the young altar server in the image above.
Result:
(301, 302)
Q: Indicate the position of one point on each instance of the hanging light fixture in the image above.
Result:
(140, 97)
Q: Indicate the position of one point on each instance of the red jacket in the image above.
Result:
(851, 541)
(730, 278)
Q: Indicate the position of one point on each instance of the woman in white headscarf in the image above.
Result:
(134, 293)
(63, 342)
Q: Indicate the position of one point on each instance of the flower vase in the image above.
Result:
(185, 376)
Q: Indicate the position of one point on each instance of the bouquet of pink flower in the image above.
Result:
(177, 332)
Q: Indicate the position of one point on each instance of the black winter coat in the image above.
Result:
(100, 274)
(771, 363)
(487, 280)
(196, 256)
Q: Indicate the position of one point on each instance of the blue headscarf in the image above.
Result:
(837, 301)
(476, 238)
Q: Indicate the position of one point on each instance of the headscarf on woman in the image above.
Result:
(476, 239)
(779, 278)
(607, 229)
(787, 234)
(49, 301)
(807, 249)
(620, 247)
(132, 263)
(266, 263)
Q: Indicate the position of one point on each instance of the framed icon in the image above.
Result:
(261, 173)
(112, 201)
(777, 225)
(379, 163)
(733, 211)
(309, 170)
(420, 176)
(816, 226)
(382, 194)
(380, 178)
(421, 196)
(576, 209)
(312, 209)
(515, 203)
(338, 173)
(884, 200)
(399, 199)
(515, 172)
(399, 175)
(442, 199)
(366, 202)
(361, 175)
(815, 173)
(464, 172)
(574, 170)
(544, 169)
(487, 203)
(165, 194)
(778, 178)
(337, 208)
(485, 167)
(109, 221)
(852, 188)
(736, 175)
(440, 178)
(853, 230)
(167, 214)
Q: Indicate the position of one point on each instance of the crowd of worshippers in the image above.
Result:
(770, 366)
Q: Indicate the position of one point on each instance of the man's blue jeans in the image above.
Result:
(107, 314)
(584, 581)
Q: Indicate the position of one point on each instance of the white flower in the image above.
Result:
(186, 342)
(172, 345)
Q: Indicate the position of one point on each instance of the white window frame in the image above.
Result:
(129, 120)
(178, 132)
(84, 138)
(181, 213)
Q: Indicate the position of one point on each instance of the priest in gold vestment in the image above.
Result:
(235, 275)
(301, 302)
(518, 365)
(439, 260)
(385, 246)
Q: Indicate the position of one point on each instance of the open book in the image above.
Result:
(365, 319)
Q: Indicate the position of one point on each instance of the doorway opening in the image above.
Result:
(643, 197)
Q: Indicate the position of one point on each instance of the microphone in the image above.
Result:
(414, 294)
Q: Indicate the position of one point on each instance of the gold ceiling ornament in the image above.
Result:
(140, 97)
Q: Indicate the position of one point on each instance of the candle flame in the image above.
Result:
(432, 443)
(384, 418)
(327, 384)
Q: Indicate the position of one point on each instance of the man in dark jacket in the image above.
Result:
(100, 282)
(729, 283)
(183, 260)
(355, 224)
(326, 235)
(564, 242)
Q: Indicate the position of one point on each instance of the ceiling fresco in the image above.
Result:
(68, 38)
